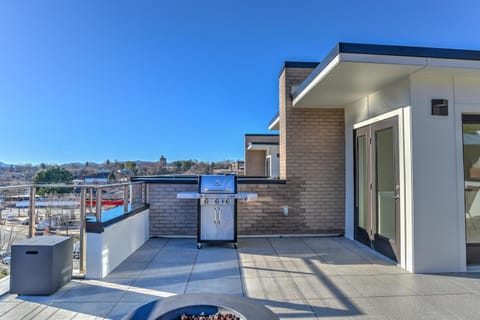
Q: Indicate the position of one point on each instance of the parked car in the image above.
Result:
(52, 224)
(26, 221)
(7, 260)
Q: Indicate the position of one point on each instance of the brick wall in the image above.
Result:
(170, 216)
(312, 156)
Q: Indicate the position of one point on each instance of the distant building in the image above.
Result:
(238, 167)
(163, 162)
(262, 155)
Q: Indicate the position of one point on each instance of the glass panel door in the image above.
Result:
(385, 183)
(377, 187)
(362, 189)
(471, 166)
(386, 235)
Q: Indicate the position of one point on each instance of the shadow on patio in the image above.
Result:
(298, 278)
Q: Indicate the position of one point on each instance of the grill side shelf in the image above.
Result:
(188, 195)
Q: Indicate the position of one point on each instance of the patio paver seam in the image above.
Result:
(191, 271)
(305, 300)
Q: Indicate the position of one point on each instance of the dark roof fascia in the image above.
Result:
(261, 134)
(263, 143)
(377, 49)
(298, 64)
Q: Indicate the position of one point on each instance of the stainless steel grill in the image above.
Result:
(217, 208)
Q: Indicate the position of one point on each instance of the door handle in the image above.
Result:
(215, 215)
(219, 211)
(396, 197)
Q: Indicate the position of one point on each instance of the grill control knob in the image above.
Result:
(227, 201)
(217, 201)
(205, 201)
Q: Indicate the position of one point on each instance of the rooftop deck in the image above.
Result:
(298, 278)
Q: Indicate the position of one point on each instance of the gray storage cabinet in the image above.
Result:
(41, 265)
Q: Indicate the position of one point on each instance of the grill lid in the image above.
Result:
(217, 184)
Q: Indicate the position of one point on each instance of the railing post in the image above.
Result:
(31, 212)
(83, 251)
(98, 211)
(144, 193)
(125, 198)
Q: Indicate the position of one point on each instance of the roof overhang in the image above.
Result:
(259, 146)
(353, 71)
(274, 123)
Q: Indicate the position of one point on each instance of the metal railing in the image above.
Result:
(64, 211)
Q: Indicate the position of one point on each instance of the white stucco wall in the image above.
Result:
(436, 230)
(106, 250)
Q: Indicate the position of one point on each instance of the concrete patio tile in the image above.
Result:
(349, 269)
(122, 309)
(259, 246)
(379, 285)
(407, 307)
(272, 288)
(268, 270)
(172, 286)
(429, 284)
(291, 309)
(142, 296)
(343, 309)
(470, 281)
(314, 287)
(180, 273)
(462, 306)
(227, 285)
(98, 292)
(299, 267)
(258, 259)
(173, 258)
(214, 270)
(128, 270)
(142, 255)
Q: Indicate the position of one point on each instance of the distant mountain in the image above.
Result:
(4, 165)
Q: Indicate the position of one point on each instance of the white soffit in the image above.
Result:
(261, 146)
(349, 77)
(275, 124)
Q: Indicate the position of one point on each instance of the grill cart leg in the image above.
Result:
(199, 245)
(235, 245)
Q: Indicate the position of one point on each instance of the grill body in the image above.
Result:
(217, 209)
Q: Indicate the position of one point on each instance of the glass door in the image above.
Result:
(377, 187)
(362, 186)
(471, 167)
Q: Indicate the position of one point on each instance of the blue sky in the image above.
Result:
(134, 80)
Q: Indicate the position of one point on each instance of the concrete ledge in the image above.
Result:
(106, 250)
(4, 285)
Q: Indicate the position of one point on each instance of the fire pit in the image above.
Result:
(172, 308)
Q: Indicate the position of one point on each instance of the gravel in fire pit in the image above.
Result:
(203, 316)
